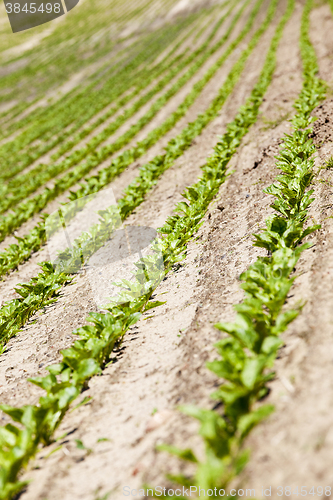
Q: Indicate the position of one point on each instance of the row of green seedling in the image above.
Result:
(98, 341)
(103, 74)
(27, 209)
(134, 45)
(95, 101)
(39, 77)
(149, 173)
(248, 351)
(21, 186)
(120, 93)
(13, 125)
(51, 128)
(15, 313)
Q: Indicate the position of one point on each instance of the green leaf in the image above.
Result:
(247, 422)
(186, 454)
(251, 372)
(152, 305)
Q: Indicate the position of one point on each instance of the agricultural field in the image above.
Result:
(198, 135)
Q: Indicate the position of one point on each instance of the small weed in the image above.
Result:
(105, 497)
(80, 446)
(329, 163)
(86, 400)
(53, 451)
(274, 123)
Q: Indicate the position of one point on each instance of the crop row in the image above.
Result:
(16, 312)
(88, 356)
(14, 124)
(149, 173)
(247, 354)
(41, 291)
(146, 42)
(23, 185)
(136, 191)
(75, 49)
(142, 73)
(145, 73)
(83, 107)
(93, 101)
(10, 121)
(25, 210)
(89, 102)
(120, 94)
(64, 57)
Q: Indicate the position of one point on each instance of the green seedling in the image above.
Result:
(85, 400)
(329, 163)
(89, 354)
(248, 351)
(80, 446)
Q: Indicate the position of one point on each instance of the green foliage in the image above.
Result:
(149, 173)
(247, 354)
(329, 163)
(21, 186)
(134, 194)
(51, 67)
(40, 65)
(93, 350)
(35, 295)
(25, 210)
